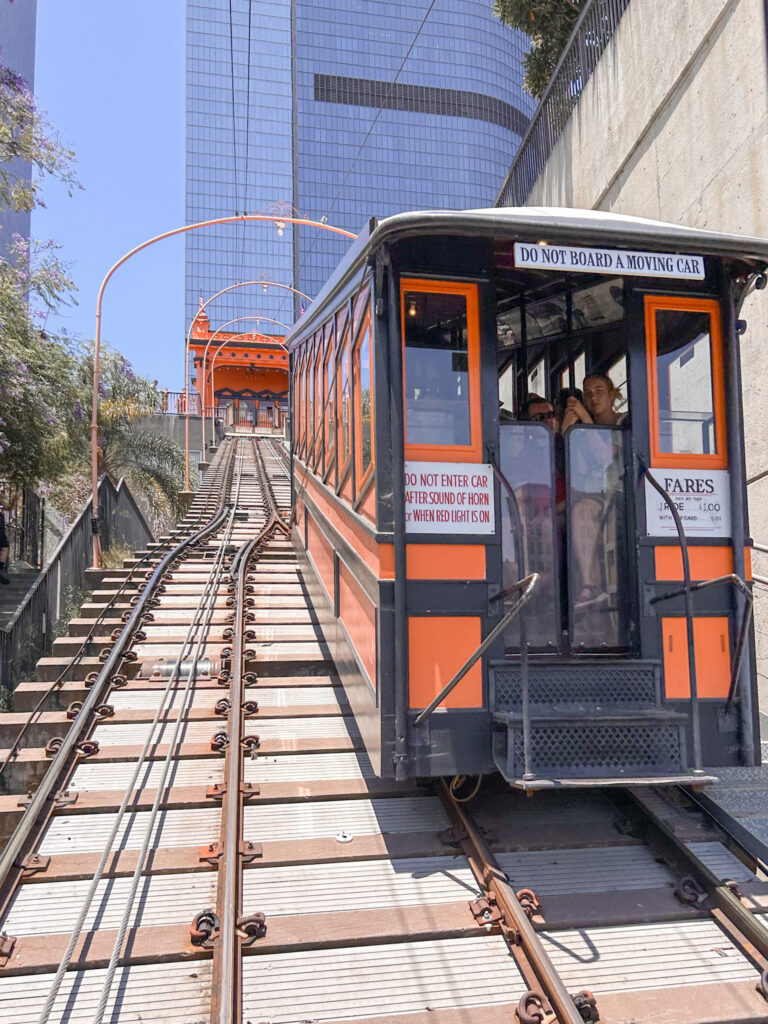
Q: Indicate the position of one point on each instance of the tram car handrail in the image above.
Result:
(690, 588)
(527, 586)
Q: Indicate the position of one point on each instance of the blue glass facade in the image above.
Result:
(18, 24)
(319, 72)
(239, 153)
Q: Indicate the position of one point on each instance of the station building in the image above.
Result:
(247, 374)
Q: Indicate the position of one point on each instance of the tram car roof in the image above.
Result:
(561, 224)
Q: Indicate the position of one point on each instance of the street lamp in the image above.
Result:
(282, 209)
(205, 362)
(298, 221)
(265, 283)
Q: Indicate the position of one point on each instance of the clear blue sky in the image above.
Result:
(111, 77)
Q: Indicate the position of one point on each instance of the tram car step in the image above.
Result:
(597, 720)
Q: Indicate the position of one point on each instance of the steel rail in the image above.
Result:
(202, 633)
(282, 456)
(227, 975)
(107, 850)
(276, 515)
(518, 928)
(61, 678)
(227, 961)
(31, 826)
(95, 697)
(79, 653)
(681, 859)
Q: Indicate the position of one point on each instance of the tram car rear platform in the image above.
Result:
(506, 580)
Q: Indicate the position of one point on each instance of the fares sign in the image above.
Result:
(608, 261)
(449, 497)
(702, 497)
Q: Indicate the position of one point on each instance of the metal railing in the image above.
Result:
(61, 586)
(246, 416)
(174, 403)
(591, 34)
(24, 525)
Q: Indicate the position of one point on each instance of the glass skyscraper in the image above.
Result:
(331, 108)
(18, 24)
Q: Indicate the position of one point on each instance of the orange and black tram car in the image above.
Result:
(520, 496)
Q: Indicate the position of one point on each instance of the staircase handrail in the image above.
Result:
(686, 592)
(28, 634)
(66, 540)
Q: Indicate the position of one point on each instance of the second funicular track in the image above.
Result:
(215, 847)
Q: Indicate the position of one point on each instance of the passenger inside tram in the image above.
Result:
(597, 406)
(593, 482)
(538, 410)
(561, 402)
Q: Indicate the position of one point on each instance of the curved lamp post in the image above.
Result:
(265, 283)
(299, 221)
(218, 331)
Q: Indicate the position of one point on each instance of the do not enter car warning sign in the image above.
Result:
(449, 497)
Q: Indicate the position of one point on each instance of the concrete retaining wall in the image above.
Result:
(674, 125)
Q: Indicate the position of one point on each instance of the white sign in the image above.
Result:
(701, 496)
(449, 497)
(608, 261)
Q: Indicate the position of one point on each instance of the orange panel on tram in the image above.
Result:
(438, 645)
(445, 561)
(712, 649)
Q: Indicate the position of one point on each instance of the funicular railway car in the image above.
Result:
(520, 495)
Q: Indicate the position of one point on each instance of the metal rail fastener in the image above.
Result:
(681, 858)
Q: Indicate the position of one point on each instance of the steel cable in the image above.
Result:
(107, 851)
(61, 678)
(120, 938)
(62, 760)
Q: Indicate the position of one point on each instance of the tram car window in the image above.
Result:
(521, 499)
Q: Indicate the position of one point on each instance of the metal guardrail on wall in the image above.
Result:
(271, 418)
(174, 403)
(591, 34)
(60, 587)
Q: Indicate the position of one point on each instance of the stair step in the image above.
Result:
(605, 716)
(576, 782)
(604, 683)
(645, 746)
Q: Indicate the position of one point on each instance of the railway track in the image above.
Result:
(204, 839)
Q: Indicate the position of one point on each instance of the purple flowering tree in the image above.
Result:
(40, 384)
(26, 135)
(45, 381)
